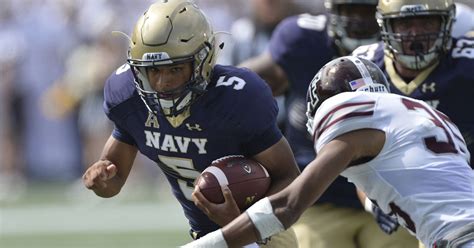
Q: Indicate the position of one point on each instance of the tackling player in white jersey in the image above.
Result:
(408, 158)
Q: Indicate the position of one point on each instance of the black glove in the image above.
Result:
(387, 223)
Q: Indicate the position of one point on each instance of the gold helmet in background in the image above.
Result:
(389, 10)
(172, 32)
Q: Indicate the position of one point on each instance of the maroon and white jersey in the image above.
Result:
(421, 174)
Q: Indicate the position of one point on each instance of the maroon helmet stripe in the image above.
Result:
(320, 129)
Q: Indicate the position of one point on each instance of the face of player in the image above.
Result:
(418, 34)
(170, 80)
(270, 12)
(360, 20)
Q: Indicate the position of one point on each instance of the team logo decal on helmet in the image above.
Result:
(343, 74)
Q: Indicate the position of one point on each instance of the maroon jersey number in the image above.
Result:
(431, 142)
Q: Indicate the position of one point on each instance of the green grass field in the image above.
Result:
(50, 216)
(124, 239)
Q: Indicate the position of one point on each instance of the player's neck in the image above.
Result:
(406, 73)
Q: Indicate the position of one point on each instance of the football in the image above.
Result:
(247, 179)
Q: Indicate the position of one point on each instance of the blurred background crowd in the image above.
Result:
(55, 57)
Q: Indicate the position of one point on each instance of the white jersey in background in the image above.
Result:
(421, 174)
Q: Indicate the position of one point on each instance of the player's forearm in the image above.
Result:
(279, 184)
(277, 81)
(241, 232)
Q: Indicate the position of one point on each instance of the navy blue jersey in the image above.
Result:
(301, 46)
(237, 115)
(447, 86)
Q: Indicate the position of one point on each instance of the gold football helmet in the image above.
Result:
(351, 32)
(420, 56)
(172, 32)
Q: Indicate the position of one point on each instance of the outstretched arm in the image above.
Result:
(107, 176)
(278, 212)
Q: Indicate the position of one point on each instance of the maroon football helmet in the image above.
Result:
(343, 74)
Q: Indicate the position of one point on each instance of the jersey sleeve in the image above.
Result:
(122, 135)
(118, 90)
(344, 113)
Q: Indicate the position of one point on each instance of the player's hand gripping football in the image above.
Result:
(98, 175)
(221, 214)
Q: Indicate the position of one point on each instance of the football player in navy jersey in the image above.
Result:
(175, 106)
(422, 60)
(299, 47)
